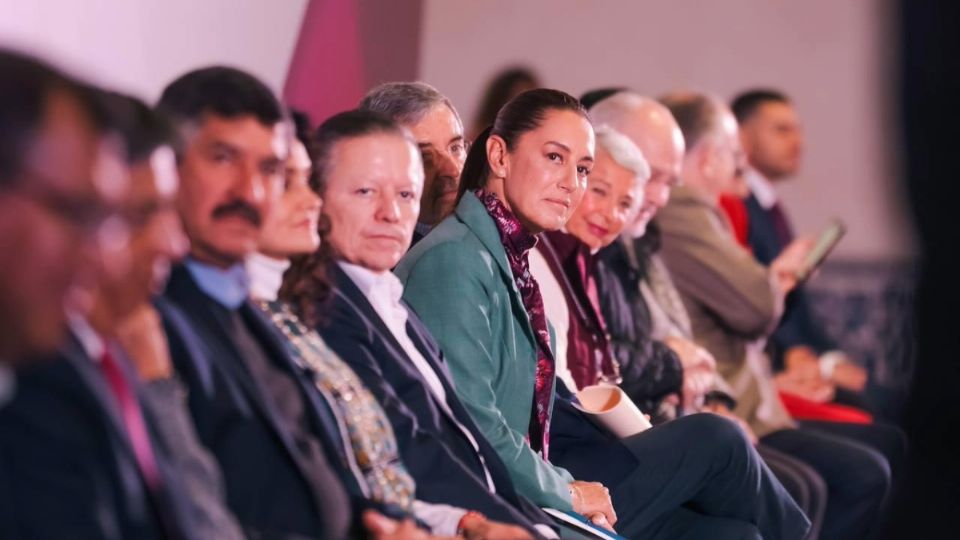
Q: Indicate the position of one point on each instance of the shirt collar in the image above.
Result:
(91, 342)
(376, 286)
(266, 276)
(229, 287)
(515, 238)
(762, 189)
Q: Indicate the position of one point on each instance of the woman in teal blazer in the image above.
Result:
(459, 279)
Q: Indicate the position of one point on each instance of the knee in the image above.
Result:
(718, 431)
(871, 472)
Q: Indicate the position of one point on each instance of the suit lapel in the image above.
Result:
(225, 354)
(474, 216)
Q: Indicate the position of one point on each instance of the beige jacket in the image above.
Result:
(732, 300)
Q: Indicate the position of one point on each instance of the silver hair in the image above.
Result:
(405, 102)
(624, 152)
(615, 108)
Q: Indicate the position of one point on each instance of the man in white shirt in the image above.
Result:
(371, 183)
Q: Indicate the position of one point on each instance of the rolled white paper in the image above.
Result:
(611, 408)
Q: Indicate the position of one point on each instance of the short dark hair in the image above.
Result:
(219, 90)
(746, 103)
(302, 127)
(141, 129)
(25, 85)
(522, 114)
(696, 114)
(348, 125)
(592, 97)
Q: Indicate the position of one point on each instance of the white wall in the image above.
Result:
(139, 46)
(831, 56)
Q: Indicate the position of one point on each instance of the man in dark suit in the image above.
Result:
(88, 451)
(772, 140)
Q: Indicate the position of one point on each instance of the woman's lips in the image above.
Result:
(597, 231)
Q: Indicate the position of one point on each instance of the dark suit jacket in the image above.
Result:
(434, 450)
(650, 369)
(267, 484)
(798, 326)
(68, 464)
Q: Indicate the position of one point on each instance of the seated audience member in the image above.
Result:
(503, 87)
(651, 358)
(92, 453)
(772, 140)
(52, 203)
(291, 230)
(437, 128)
(641, 305)
(733, 302)
(565, 268)
(469, 281)
(250, 402)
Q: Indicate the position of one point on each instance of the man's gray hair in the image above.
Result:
(405, 102)
(624, 152)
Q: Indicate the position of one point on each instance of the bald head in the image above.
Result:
(715, 161)
(652, 128)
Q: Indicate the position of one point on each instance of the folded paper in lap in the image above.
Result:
(609, 407)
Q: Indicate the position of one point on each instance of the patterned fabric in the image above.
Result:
(367, 427)
(517, 242)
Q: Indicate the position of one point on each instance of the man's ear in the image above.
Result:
(498, 157)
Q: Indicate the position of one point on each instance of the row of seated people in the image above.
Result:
(282, 380)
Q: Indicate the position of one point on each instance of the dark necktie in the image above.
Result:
(133, 421)
(780, 225)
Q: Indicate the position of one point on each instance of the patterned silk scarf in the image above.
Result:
(366, 428)
(517, 242)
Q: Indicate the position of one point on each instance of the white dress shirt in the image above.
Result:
(762, 189)
(557, 312)
(384, 291)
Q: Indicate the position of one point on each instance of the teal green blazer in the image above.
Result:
(458, 280)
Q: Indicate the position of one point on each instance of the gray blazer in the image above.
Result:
(732, 301)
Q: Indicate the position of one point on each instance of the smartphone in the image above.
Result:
(829, 238)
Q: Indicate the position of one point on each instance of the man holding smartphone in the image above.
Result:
(811, 363)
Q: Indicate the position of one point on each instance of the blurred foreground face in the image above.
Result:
(231, 175)
(439, 135)
(291, 228)
(612, 200)
(372, 199)
(58, 227)
(546, 172)
(156, 237)
(773, 140)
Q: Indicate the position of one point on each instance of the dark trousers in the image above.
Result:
(857, 476)
(696, 477)
(802, 482)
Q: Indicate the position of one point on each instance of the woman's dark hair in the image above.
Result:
(521, 114)
(500, 90)
(306, 286)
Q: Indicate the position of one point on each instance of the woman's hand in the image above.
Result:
(592, 499)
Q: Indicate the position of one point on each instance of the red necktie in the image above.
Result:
(132, 420)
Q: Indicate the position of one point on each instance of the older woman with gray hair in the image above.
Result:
(564, 263)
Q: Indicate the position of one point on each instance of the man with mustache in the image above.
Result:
(436, 126)
(248, 401)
